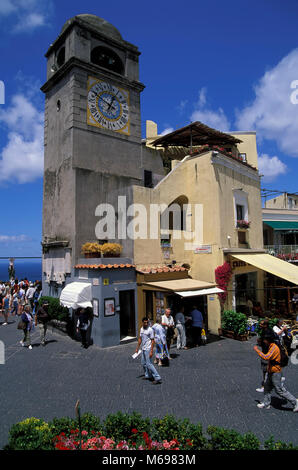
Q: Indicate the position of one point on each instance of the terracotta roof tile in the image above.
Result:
(103, 266)
(159, 269)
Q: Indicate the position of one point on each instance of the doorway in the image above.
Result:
(127, 313)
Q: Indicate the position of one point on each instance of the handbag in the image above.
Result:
(21, 325)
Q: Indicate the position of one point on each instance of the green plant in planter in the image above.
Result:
(234, 321)
(55, 310)
(30, 434)
(225, 439)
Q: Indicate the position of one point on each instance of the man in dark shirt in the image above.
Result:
(197, 325)
(42, 318)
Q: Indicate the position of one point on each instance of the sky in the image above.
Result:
(232, 65)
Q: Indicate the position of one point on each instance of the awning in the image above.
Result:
(282, 224)
(179, 285)
(192, 293)
(76, 294)
(272, 265)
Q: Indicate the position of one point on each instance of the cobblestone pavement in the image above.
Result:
(213, 384)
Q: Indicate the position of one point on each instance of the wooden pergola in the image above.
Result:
(195, 134)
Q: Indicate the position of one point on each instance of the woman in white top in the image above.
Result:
(160, 341)
(279, 329)
(180, 325)
(167, 322)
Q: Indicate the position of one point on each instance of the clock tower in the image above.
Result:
(92, 135)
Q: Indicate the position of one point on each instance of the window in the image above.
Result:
(148, 183)
(242, 238)
(242, 157)
(240, 205)
(174, 217)
(61, 57)
(107, 58)
(240, 212)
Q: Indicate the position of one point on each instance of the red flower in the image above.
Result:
(134, 431)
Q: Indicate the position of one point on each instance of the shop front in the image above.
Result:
(109, 291)
(172, 289)
(262, 285)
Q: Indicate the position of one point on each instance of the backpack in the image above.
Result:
(284, 358)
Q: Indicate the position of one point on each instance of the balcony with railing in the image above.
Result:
(284, 252)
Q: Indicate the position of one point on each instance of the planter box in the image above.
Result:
(241, 337)
(61, 326)
(232, 335)
(228, 333)
(92, 255)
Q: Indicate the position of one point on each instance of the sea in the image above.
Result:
(31, 269)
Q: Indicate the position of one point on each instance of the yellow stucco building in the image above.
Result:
(210, 213)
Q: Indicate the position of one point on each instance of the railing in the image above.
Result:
(286, 252)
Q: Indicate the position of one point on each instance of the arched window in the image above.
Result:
(107, 58)
(174, 217)
(61, 57)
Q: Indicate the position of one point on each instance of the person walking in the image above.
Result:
(273, 378)
(83, 325)
(6, 303)
(42, 319)
(168, 324)
(197, 325)
(21, 297)
(27, 319)
(180, 325)
(264, 330)
(146, 341)
(30, 295)
(14, 304)
(160, 342)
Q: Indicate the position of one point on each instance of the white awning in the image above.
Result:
(194, 293)
(76, 294)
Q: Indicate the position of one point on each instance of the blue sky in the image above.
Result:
(229, 64)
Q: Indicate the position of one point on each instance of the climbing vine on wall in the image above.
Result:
(223, 275)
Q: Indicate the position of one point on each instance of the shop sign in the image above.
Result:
(238, 264)
(203, 249)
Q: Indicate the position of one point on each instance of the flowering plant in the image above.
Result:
(222, 277)
(95, 441)
(243, 224)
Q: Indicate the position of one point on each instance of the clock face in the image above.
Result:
(107, 106)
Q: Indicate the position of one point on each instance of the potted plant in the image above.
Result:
(234, 325)
(111, 250)
(91, 250)
(243, 224)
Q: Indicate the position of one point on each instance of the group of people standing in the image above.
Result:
(20, 299)
(15, 294)
(160, 336)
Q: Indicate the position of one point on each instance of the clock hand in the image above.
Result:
(111, 102)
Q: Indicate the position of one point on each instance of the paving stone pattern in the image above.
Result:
(213, 384)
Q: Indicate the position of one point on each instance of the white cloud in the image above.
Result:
(272, 113)
(14, 238)
(27, 14)
(21, 159)
(212, 118)
(30, 22)
(271, 167)
(182, 105)
(168, 130)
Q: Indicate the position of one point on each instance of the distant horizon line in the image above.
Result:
(21, 257)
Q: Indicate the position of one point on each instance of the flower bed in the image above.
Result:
(122, 431)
